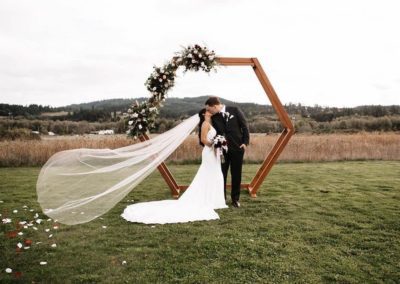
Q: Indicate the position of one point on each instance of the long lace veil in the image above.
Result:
(77, 186)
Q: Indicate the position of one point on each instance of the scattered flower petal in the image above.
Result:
(39, 221)
(54, 245)
(15, 211)
(36, 216)
(19, 245)
(123, 262)
(20, 233)
(47, 230)
(12, 234)
(27, 247)
(51, 235)
(43, 262)
(6, 220)
(8, 270)
(104, 227)
(34, 228)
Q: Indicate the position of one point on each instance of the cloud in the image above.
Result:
(327, 53)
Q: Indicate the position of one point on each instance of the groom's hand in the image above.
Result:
(243, 146)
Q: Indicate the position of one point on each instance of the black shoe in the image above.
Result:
(236, 204)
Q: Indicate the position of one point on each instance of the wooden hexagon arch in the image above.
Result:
(276, 150)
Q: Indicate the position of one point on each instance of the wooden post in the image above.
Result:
(165, 173)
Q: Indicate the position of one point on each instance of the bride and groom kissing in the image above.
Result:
(207, 190)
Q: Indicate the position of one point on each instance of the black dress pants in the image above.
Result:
(234, 160)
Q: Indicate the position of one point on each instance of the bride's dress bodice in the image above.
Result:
(204, 194)
(211, 134)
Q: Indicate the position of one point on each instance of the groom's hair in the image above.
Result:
(212, 101)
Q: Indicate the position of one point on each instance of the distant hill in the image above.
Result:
(107, 114)
(173, 107)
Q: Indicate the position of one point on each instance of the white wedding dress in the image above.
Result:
(204, 194)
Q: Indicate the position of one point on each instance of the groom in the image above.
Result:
(230, 122)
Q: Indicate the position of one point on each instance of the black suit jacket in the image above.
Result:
(234, 128)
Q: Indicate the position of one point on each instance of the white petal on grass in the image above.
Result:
(51, 235)
(15, 211)
(34, 228)
(19, 245)
(20, 233)
(43, 262)
(36, 216)
(47, 230)
(54, 245)
(8, 270)
(123, 262)
(27, 247)
(104, 227)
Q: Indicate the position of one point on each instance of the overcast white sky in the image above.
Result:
(331, 53)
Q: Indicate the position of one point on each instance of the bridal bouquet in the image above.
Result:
(221, 145)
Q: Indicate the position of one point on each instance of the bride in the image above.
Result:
(78, 185)
(204, 194)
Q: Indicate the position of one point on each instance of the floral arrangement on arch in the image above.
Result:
(141, 117)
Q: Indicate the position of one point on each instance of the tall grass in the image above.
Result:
(301, 148)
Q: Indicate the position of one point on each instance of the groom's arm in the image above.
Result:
(243, 126)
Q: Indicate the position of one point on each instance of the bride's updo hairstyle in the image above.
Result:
(201, 115)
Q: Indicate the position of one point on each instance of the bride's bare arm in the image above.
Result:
(204, 130)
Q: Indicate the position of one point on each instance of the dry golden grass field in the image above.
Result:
(301, 148)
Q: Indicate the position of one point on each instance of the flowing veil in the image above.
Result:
(77, 186)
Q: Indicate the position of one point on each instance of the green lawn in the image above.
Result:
(311, 223)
